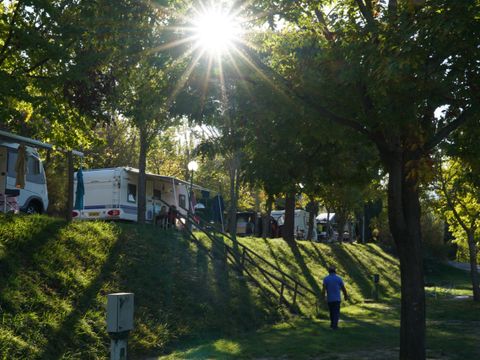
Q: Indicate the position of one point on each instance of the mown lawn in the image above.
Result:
(368, 330)
(54, 278)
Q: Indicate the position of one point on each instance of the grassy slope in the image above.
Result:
(54, 278)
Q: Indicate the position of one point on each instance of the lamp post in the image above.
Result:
(192, 167)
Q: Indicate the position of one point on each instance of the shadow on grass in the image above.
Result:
(60, 341)
(19, 251)
(312, 282)
(361, 260)
(302, 339)
(349, 265)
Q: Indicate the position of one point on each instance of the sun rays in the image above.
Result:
(214, 34)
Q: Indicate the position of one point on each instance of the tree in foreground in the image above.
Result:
(382, 69)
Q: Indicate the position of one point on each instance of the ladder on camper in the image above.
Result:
(283, 288)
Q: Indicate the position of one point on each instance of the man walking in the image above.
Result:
(332, 284)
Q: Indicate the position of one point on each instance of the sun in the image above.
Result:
(216, 31)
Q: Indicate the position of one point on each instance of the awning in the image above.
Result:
(169, 179)
(31, 142)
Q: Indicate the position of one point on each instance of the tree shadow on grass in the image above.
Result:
(312, 282)
(60, 340)
(303, 339)
(18, 256)
(384, 276)
(349, 265)
(387, 258)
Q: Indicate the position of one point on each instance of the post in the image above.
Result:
(119, 323)
(70, 186)
(191, 166)
(376, 281)
(189, 223)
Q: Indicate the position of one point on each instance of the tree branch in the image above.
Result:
(321, 19)
(448, 129)
(392, 8)
(366, 12)
(307, 100)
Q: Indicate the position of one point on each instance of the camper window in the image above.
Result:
(33, 166)
(157, 194)
(34, 174)
(182, 202)
(132, 193)
(12, 159)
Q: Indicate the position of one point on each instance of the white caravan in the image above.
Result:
(301, 223)
(34, 197)
(112, 194)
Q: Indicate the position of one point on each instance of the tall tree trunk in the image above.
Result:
(142, 164)
(70, 174)
(289, 224)
(232, 216)
(404, 221)
(312, 214)
(266, 230)
(472, 250)
(341, 217)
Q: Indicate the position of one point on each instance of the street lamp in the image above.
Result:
(192, 167)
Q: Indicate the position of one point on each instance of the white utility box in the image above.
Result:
(119, 312)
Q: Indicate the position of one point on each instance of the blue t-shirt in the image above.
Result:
(333, 284)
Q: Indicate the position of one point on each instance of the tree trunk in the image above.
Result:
(142, 164)
(472, 250)
(404, 221)
(266, 230)
(312, 214)
(289, 224)
(70, 180)
(341, 218)
(232, 216)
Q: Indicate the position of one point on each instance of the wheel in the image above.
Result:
(33, 208)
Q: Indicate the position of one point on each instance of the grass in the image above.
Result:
(368, 331)
(54, 278)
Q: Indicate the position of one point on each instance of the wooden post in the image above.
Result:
(70, 186)
(295, 294)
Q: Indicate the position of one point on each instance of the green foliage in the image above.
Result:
(459, 202)
(58, 63)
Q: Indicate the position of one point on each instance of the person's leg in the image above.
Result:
(331, 309)
(336, 314)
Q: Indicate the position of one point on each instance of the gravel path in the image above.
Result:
(461, 266)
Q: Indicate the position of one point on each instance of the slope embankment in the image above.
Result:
(54, 278)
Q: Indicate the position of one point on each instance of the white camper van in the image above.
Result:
(111, 194)
(301, 223)
(34, 197)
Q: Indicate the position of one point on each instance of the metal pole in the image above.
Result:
(189, 223)
(118, 349)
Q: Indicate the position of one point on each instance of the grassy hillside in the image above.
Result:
(54, 278)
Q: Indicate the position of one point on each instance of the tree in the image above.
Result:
(57, 61)
(376, 68)
(460, 201)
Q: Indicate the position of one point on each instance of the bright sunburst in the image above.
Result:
(216, 30)
(216, 33)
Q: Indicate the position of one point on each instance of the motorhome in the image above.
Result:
(33, 198)
(300, 224)
(112, 194)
